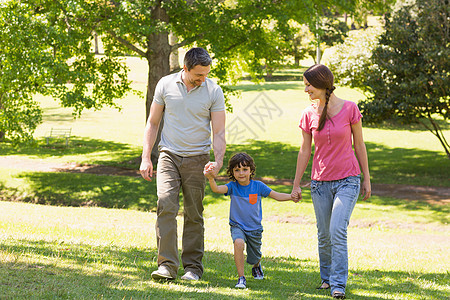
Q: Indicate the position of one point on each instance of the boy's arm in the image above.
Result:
(280, 196)
(221, 189)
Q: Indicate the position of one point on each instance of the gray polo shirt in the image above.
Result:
(187, 116)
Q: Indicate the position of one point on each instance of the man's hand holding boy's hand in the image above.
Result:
(213, 167)
(208, 171)
(209, 175)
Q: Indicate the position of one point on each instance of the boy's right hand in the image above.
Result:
(208, 172)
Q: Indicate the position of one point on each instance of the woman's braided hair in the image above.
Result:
(320, 77)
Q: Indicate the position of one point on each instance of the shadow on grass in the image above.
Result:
(75, 189)
(273, 160)
(440, 212)
(387, 165)
(42, 269)
(395, 125)
(117, 154)
(408, 166)
(56, 115)
(267, 86)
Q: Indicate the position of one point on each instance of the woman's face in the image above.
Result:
(314, 93)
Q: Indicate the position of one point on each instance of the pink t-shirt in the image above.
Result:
(334, 158)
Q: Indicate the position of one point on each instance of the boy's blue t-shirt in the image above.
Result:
(245, 206)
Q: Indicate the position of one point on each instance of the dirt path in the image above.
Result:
(435, 195)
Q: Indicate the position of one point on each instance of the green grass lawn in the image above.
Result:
(50, 252)
(85, 236)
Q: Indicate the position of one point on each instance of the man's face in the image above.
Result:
(197, 75)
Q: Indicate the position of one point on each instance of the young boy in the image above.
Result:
(245, 211)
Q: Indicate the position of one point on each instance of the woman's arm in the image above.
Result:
(361, 154)
(302, 162)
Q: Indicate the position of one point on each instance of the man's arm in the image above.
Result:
(219, 143)
(150, 134)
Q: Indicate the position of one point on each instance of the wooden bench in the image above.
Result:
(59, 133)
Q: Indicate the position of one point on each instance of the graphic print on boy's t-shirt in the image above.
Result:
(253, 198)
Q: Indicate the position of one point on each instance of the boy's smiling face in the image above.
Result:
(242, 174)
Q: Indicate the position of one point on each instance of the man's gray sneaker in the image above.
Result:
(162, 274)
(190, 276)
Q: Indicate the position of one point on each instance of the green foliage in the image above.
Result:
(44, 50)
(241, 33)
(405, 75)
(365, 8)
(409, 78)
(19, 114)
(351, 59)
(299, 42)
(244, 37)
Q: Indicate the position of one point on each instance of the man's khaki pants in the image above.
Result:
(175, 172)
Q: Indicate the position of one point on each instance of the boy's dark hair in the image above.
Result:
(197, 56)
(240, 159)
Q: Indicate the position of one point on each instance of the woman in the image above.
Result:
(335, 178)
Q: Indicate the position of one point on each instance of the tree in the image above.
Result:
(235, 33)
(365, 8)
(328, 31)
(41, 51)
(240, 34)
(299, 43)
(408, 76)
(19, 114)
(352, 58)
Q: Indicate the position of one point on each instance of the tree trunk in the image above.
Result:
(158, 66)
(174, 62)
(2, 133)
(297, 60)
(96, 43)
(318, 52)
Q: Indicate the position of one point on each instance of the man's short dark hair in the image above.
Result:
(197, 56)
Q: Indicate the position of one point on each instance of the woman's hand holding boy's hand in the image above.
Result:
(296, 194)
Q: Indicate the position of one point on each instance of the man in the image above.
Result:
(193, 105)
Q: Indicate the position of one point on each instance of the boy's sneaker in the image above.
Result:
(242, 283)
(257, 272)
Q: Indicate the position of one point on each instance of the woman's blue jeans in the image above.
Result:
(333, 204)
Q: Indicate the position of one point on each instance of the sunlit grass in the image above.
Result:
(62, 252)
